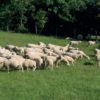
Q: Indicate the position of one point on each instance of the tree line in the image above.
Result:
(51, 17)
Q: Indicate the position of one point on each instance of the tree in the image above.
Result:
(20, 8)
(5, 17)
(40, 20)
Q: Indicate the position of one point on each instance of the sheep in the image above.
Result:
(30, 45)
(73, 55)
(70, 59)
(28, 63)
(67, 59)
(51, 60)
(42, 44)
(10, 47)
(75, 42)
(20, 50)
(49, 52)
(65, 48)
(2, 60)
(72, 48)
(36, 57)
(52, 46)
(98, 56)
(6, 53)
(57, 51)
(98, 59)
(15, 62)
(91, 43)
(68, 38)
(97, 51)
(80, 54)
(26, 50)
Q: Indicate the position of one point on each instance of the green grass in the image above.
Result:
(78, 82)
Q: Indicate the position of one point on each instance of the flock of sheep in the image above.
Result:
(40, 55)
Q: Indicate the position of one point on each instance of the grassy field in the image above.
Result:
(78, 82)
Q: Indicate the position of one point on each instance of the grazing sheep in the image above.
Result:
(70, 59)
(28, 63)
(30, 45)
(80, 54)
(49, 52)
(15, 62)
(67, 59)
(91, 43)
(98, 59)
(73, 55)
(68, 38)
(10, 47)
(97, 51)
(52, 46)
(58, 52)
(65, 48)
(20, 50)
(6, 53)
(2, 60)
(42, 44)
(36, 57)
(75, 42)
(51, 60)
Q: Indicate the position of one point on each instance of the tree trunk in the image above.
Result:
(7, 26)
(21, 19)
(36, 29)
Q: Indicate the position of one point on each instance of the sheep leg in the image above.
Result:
(57, 63)
(8, 68)
(72, 63)
(51, 67)
(22, 68)
(67, 62)
(34, 68)
(27, 69)
(45, 64)
(99, 63)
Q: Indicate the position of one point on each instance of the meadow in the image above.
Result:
(78, 82)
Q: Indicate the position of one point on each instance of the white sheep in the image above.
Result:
(80, 54)
(65, 48)
(75, 42)
(42, 44)
(28, 63)
(52, 46)
(15, 62)
(49, 52)
(98, 59)
(97, 51)
(30, 45)
(67, 59)
(2, 60)
(36, 57)
(10, 47)
(6, 53)
(71, 54)
(91, 43)
(70, 59)
(51, 60)
(58, 51)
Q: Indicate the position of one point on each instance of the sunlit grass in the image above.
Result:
(78, 82)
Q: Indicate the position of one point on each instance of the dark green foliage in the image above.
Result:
(35, 15)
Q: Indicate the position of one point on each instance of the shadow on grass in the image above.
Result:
(88, 63)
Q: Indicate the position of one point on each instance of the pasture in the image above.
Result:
(78, 82)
